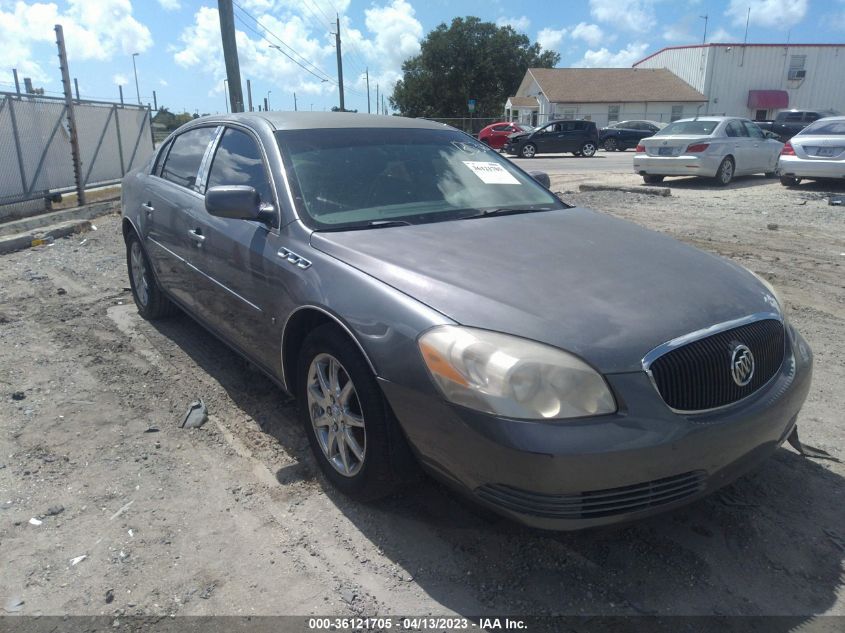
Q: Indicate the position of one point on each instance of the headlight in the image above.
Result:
(780, 305)
(512, 377)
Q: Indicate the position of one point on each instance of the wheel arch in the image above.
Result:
(299, 324)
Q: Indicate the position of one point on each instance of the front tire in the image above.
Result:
(152, 303)
(344, 415)
(588, 150)
(529, 150)
(651, 179)
(789, 181)
(610, 145)
(725, 173)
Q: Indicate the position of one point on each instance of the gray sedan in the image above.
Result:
(816, 152)
(430, 304)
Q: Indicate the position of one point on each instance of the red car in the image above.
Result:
(496, 134)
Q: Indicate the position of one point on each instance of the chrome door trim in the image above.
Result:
(226, 288)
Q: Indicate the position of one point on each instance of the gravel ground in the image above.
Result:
(233, 519)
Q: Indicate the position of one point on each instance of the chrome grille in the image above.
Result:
(596, 503)
(697, 376)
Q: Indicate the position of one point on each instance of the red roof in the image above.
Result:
(786, 45)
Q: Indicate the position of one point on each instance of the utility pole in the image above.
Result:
(367, 71)
(249, 94)
(339, 65)
(265, 104)
(294, 102)
(230, 54)
(76, 88)
(267, 100)
(17, 83)
(135, 70)
(71, 116)
(155, 102)
(705, 18)
(120, 88)
(377, 101)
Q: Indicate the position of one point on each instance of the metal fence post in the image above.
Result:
(71, 116)
(17, 138)
(119, 140)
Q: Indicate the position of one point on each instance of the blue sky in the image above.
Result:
(178, 41)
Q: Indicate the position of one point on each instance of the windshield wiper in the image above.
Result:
(372, 224)
(486, 213)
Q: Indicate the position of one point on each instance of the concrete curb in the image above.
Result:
(20, 241)
(88, 212)
(649, 191)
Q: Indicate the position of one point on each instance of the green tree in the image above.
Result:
(469, 59)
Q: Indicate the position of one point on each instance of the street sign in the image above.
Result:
(471, 105)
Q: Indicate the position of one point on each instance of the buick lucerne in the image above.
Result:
(430, 304)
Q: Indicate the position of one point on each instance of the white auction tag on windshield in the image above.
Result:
(491, 173)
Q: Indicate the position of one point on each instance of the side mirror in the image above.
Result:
(541, 177)
(238, 202)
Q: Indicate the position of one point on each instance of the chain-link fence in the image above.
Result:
(35, 151)
(470, 125)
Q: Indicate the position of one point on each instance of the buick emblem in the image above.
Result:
(742, 365)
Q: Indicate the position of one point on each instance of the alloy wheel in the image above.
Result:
(528, 151)
(726, 171)
(138, 267)
(610, 145)
(588, 150)
(336, 415)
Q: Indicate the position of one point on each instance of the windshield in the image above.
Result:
(825, 128)
(352, 177)
(687, 128)
(526, 128)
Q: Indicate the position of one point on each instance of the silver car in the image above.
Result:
(430, 304)
(817, 151)
(710, 146)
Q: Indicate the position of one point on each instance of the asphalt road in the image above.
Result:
(602, 162)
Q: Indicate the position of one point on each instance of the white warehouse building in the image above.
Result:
(759, 80)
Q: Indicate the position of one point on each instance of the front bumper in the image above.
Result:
(810, 168)
(640, 461)
(686, 165)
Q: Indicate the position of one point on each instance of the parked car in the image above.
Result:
(627, 134)
(428, 302)
(496, 134)
(714, 147)
(789, 122)
(816, 152)
(581, 138)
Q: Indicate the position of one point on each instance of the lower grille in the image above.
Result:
(697, 376)
(596, 503)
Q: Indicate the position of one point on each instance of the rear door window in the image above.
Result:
(238, 161)
(734, 128)
(183, 161)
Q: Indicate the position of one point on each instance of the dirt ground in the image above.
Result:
(233, 519)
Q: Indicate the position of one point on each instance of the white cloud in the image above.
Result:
(170, 5)
(163, 82)
(522, 23)
(691, 29)
(119, 80)
(604, 58)
(630, 15)
(778, 14)
(722, 36)
(392, 35)
(589, 33)
(93, 29)
(550, 39)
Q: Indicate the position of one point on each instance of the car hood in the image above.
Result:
(603, 288)
(516, 136)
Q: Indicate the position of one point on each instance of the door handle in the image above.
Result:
(148, 207)
(196, 235)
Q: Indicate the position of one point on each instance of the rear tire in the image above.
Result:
(789, 181)
(725, 173)
(152, 303)
(588, 150)
(652, 179)
(345, 403)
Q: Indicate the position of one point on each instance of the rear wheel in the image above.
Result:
(789, 181)
(152, 303)
(529, 150)
(610, 145)
(345, 415)
(725, 173)
(651, 179)
(588, 149)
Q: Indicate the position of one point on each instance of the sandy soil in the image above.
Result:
(232, 518)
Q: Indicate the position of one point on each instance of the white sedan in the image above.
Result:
(817, 151)
(713, 146)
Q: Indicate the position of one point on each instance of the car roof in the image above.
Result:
(318, 120)
(709, 118)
